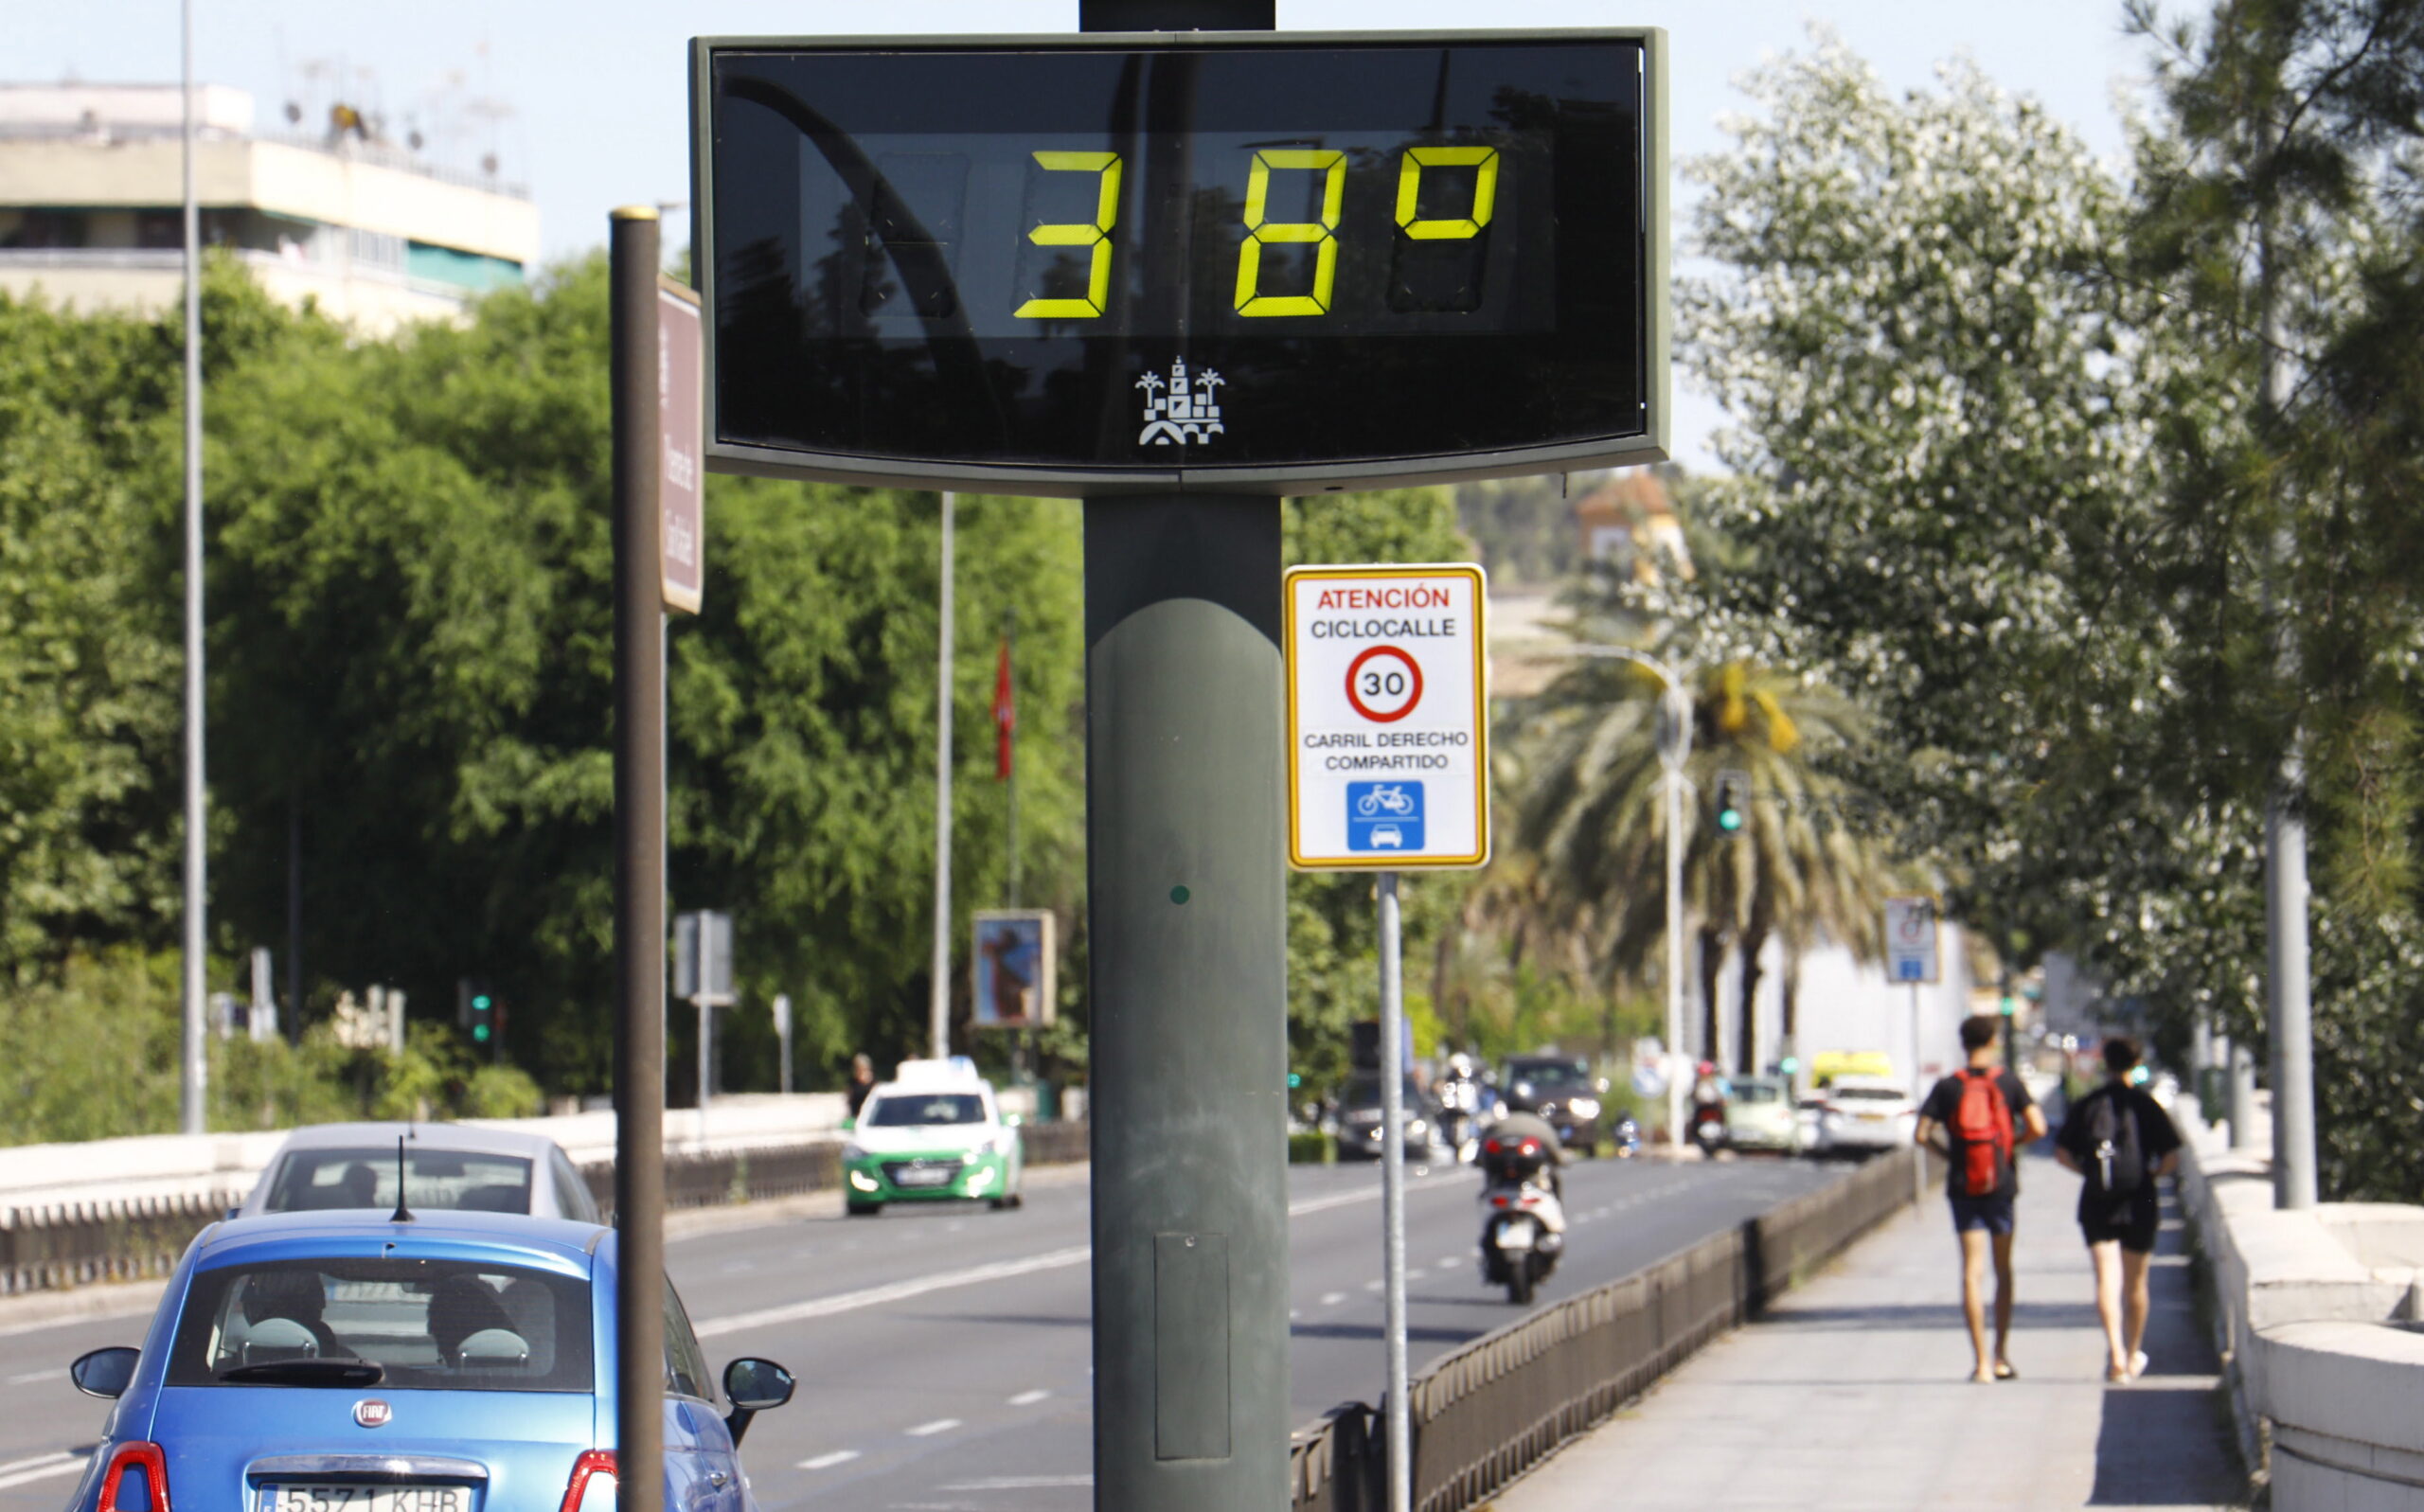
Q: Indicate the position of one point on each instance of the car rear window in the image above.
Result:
(438, 1324)
(313, 1180)
(1866, 1095)
(912, 1110)
(1756, 1092)
(1549, 1072)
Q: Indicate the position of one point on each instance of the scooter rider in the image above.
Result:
(1502, 1163)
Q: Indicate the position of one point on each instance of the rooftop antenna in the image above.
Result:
(402, 1213)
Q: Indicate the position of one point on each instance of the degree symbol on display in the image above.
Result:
(1384, 684)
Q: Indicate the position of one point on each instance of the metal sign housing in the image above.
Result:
(1278, 263)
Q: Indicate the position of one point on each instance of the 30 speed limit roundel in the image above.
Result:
(1388, 733)
(1384, 684)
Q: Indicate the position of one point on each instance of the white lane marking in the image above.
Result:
(826, 1462)
(32, 1376)
(1019, 1482)
(1293, 1315)
(941, 1425)
(1028, 1399)
(38, 1468)
(1416, 1274)
(973, 1276)
(1331, 1299)
(896, 1291)
(1451, 1259)
(1372, 1286)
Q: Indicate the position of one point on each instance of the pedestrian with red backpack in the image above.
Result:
(2121, 1143)
(1977, 1119)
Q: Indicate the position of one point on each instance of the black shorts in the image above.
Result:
(2133, 1227)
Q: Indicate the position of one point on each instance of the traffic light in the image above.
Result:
(475, 1009)
(1294, 1080)
(1732, 792)
(1790, 1064)
(2010, 1006)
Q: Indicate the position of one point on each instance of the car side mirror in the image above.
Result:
(1011, 1120)
(105, 1373)
(849, 1125)
(754, 1386)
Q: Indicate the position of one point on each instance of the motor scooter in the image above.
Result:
(1626, 1135)
(1523, 1232)
(1707, 1127)
(1523, 1225)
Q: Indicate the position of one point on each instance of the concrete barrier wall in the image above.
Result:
(175, 1166)
(2317, 1319)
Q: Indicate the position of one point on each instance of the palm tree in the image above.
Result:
(1592, 811)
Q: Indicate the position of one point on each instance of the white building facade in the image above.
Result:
(91, 186)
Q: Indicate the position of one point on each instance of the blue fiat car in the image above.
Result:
(326, 1362)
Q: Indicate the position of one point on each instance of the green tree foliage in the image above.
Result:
(2288, 184)
(2004, 475)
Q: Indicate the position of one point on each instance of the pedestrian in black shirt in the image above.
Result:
(2121, 1141)
(861, 1083)
(1984, 1115)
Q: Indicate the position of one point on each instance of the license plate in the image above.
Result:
(1874, 1118)
(1515, 1236)
(912, 1177)
(288, 1496)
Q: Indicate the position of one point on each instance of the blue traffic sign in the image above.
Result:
(1384, 816)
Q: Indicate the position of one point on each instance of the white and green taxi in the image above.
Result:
(933, 1133)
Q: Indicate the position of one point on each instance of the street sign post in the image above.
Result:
(702, 977)
(1388, 717)
(1911, 957)
(1388, 769)
(680, 405)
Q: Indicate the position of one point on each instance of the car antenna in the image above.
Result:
(402, 1213)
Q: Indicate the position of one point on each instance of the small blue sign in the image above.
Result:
(1384, 816)
(1910, 969)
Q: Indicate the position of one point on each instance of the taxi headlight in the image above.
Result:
(1583, 1106)
(862, 1181)
(983, 1179)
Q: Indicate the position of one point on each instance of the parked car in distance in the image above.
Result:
(457, 1361)
(1760, 1115)
(328, 1168)
(1864, 1115)
(1562, 1091)
(933, 1133)
(1359, 1119)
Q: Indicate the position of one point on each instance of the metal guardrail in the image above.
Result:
(1488, 1411)
(78, 1244)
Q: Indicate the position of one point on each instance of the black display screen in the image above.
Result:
(1265, 256)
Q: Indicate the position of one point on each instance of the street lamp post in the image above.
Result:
(1674, 748)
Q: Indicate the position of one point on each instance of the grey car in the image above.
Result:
(327, 1168)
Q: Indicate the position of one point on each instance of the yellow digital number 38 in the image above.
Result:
(1332, 166)
(1410, 190)
(1096, 234)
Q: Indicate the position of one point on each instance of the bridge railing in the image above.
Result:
(1487, 1412)
(73, 1244)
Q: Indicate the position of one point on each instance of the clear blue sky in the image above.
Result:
(596, 94)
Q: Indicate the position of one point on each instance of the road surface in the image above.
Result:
(943, 1353)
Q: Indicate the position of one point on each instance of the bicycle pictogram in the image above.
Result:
(1383, 797)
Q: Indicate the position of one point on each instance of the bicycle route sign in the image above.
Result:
(1388, 717)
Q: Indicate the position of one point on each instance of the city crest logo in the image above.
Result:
(1189, 411)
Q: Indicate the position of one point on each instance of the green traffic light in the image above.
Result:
(2009, 1007)
(482, 1003)
(1729, 820)
(480, 1033)
(1294, 1080)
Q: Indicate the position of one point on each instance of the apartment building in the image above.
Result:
(91, 186)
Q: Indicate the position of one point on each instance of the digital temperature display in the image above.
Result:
(1267, 262)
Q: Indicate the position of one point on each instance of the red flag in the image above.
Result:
(1006, 717)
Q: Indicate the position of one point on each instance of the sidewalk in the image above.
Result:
(1854, 1392)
